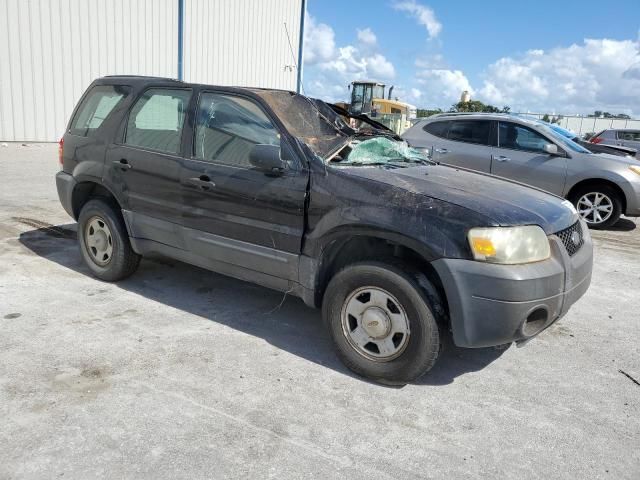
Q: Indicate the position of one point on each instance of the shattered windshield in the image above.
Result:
(312, 121)
(381, 151)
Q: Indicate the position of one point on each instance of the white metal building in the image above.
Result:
(50, 50)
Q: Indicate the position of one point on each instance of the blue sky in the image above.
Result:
(565, 57)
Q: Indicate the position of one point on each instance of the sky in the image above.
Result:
(566, 57)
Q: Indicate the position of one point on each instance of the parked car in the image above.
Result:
(620, 137)
(600, 186)
(274, 188)
(592, 147)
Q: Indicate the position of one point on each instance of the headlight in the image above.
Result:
(509, 245)
(635, 169)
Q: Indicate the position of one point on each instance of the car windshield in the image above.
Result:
(379, 151)
(565, 142)
(311, 121)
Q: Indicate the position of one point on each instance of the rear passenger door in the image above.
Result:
(520, 156)
(236, 213)
(467, 144)
(145, 165)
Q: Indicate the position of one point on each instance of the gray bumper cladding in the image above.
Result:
(65, 183)
(493, 304)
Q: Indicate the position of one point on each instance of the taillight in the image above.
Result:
(60, 151)
(596, 140)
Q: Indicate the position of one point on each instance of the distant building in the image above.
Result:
(465, 97)
(51, 51)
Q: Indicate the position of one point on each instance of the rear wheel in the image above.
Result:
(600, 206)
(104, 242)
(382, 321)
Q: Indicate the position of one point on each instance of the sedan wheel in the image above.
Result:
(595, 207)
(375, 324)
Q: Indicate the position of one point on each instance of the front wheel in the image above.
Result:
(382, 321)
(599, 206)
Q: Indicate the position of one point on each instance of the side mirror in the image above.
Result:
(551, 148)
(267, 158)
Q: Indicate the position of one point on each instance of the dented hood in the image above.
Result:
(504, 202)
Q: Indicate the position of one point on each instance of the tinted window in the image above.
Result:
(228, 127)
(519, 137)
(628, 135)
(95, 107)
(155, 121)
(439, 129)
(472, 131)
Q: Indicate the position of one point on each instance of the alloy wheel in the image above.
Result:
(98, 241)
(595, 207)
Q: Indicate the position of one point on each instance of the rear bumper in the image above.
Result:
(495, 304)
(65, 183)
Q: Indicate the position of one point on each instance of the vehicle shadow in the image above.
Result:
(283, 321)
(623, 225)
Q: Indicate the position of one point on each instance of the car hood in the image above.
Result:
(616, 158)
(504, 202)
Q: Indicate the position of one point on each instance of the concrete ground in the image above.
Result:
(181, 373)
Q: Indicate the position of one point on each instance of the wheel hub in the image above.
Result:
(376, 323)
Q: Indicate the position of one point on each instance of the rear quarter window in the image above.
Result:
(96, 107)
(438, 129)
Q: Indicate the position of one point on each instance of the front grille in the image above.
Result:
(570, 241)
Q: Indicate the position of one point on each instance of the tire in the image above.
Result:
(104, 242)
(415, 297)
(608, 196)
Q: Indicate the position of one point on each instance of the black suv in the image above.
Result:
(276, 188)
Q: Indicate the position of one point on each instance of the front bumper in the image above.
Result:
(493, 304)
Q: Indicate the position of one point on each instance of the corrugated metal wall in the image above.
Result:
(242, 42)
(50, 50)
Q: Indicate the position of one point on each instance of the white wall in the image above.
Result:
(51, 50)
(242, 42)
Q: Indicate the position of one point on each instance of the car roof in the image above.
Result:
(482, 116)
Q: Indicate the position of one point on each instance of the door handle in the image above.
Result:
(501, 158)
(442, 150)
(122, 163)
(203, 182)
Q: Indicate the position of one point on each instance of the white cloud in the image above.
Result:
(422, 14)
(599, 74)
(367, 37)
(319, 42)
(333, 68)
(443, 87)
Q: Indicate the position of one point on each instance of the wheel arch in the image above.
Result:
(88, 189)
(341, 250)
(595, 182)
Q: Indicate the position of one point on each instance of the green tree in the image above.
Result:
(425, 112)
(477, 106)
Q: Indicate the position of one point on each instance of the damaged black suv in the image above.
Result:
(275, 188)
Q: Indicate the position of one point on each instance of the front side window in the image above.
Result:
(628, 135)
(156, 120)
(227, 128)
(519, 137)
(95, 108)
(471, 131)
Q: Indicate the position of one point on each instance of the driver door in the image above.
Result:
(234, 212)
(520, 156)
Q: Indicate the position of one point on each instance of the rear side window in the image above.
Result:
(227, 128)
(96, 107)
(155, 121)
(438, 129)
(471, 131)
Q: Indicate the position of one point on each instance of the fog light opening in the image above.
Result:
(535, 321)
